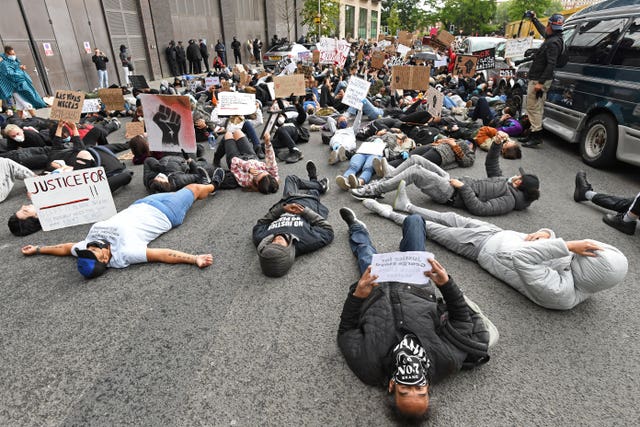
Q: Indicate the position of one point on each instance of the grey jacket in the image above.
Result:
(463, 157)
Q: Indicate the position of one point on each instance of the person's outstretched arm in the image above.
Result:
(61, 249)
(171, 256)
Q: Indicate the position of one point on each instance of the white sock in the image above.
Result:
(589, 194)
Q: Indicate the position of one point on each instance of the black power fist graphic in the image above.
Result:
(169, 122)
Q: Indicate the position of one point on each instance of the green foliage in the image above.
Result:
(330, 14)
(470, 16)
(393, 22)
(518, 7)
(409, 12)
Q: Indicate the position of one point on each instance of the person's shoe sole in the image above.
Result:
(312, 171)
(400, 192)
(377, 166)
(342, 183)
(353, 181)
(333, 157)
(579, 193)
(342, 154)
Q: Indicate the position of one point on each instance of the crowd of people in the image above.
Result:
(391, 334)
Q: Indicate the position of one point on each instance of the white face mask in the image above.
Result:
(12, 57)
(18, 138)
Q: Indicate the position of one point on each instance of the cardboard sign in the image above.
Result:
(403, 50)
(405, 38)
(169, 123)
(515, 48)
(445, 38)
(402, 267)
(139, 82)
(67, 106)
(356, 91)
(236, 104)
(316, 57)
(486, 59)
(134, 129)
(465, 65)
(71, 198)
(360, 56)
(211, 81)
(112, 99)
(507, 72)
(410, 77)
(91, 106)
(377, 60)
(434, 99)
(286, 85)
(305, 70)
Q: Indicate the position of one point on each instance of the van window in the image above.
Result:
(593, 41)
(628, 52)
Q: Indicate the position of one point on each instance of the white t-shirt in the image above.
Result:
(129, 232)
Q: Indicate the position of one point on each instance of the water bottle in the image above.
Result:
(212, 141)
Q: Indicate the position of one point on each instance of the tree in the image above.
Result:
(410, 12)
(287, 14)
(393, 22)
(330, 16)
(471, 16)
(518, 7)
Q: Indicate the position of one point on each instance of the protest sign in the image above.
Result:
(465, 65)
(304, 56)
(377, 60)
(434, 99)
(91, 106)
(405, 38)
(394, 61)
(402, 267)
(486, 59)
(139, 82)
(360, 56)
(333, 51)
(375, 147)
(410, 77)
(403, 50)
(211, 81)
(316, 57)
(71, 198)
(445, 38)
(134, 129)
(507, 72)
(67, 106)
(225, 86)
(515, 48)
(305, 70)
(356, 91)
(383, 44)
(112, 99)
(169, 123)
(287, 85)
(236, 103)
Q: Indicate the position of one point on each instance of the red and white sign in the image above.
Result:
(169, 123)
(47, 49)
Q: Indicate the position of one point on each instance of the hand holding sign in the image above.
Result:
(438, 274)
(366, 284)
(169, 122)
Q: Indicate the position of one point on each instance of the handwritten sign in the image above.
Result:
(434, 99)
(112, 99)
(169, 123)
(236, 103)
(405, 38)
(333, 51)
(410, 77)
(377, 60)
(403, 50)
(445, 38)
(515, 48)
(91, 106)
(356, 91)
(211, 81)
(507, 72)
(465, 65)
(134, 129)
(402, 267)
(375, 147)
(287, 85)
(71, 198)
(486, 59)
(67, 106)
(87, 47)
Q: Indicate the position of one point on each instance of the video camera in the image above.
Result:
(528, 14)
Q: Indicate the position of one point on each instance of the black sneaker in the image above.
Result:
(259, 151)
(312, 171)
(532, 141)
(324, 182)
(218, 177)
(582, 186)
(205, 179)
(294, 156)
(617, 221)
(349, 217)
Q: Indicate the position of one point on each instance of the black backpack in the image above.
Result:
(113, 166)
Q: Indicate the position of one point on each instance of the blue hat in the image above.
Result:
(556, 21)
(88, 264)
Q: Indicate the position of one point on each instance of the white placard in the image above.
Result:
(333, 51)
(272, 89)
(356, 91)
(402, 267)
(434, 99)
(403, 50)
(91, 105)
(515, 48)
(375, 147)
(236, 103)
(211, 81)
(71, 198)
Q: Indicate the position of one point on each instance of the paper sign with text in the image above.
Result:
(515, 48)
(434, 99)
(236, 103)
(112, 99)
(374, 147)
(403, 50)
(67, 106)
(286, 85)
(402, 267)
(486, 59)
(134, 129)
(356, 91)
(71, 198)
(169, 123)
(507, 72)
(465, 65)
(91, 106)
(211, 81)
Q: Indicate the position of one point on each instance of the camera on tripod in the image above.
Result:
(528, 14)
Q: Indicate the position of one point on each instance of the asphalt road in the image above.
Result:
(174, 345)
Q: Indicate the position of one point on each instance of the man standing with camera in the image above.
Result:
(541, 73)
(100, 60)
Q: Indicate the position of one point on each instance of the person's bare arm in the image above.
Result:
(170, 256)
(61, 249)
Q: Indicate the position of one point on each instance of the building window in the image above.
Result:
(374, 24)
(349, 21)
(362, 23)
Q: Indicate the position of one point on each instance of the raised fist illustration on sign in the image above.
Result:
(169, 122)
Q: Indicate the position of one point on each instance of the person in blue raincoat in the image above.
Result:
(16, 83)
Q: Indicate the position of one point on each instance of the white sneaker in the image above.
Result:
(333, 157)
(342, 154)
(342, 183)
(315, 128)
(353, 181)
(402, 202)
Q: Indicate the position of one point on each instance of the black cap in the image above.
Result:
(529, 182)
(88, 264)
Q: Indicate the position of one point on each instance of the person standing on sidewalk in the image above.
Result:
(101, 66)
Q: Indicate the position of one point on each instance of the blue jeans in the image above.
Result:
(103, 79)
(250, 131)
(361, 162)
(414, 235)
(340, 85)
(448, 103)
(173, 205)
(368, 109)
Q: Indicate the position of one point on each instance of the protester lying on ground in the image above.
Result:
(249, 172)
(9, 172)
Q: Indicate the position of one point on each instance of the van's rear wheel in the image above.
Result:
(599, 141)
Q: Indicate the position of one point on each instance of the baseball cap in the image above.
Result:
(556, 21)
(88, 264)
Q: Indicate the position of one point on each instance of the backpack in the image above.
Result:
(563, 56)
(98, 151)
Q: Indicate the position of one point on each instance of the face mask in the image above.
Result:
(281, 120)
(162, 176)
(67, 139)
(342, 124)
(18, 138)
(12, 57)
(410, 371)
